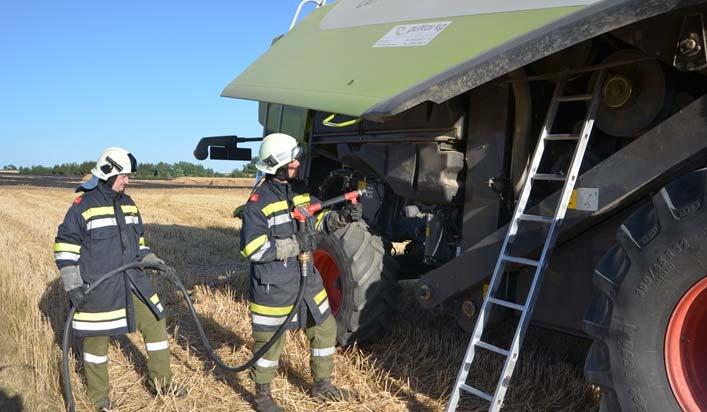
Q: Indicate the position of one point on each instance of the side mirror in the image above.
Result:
(224, 148)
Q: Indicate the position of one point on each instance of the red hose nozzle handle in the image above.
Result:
(300, 214)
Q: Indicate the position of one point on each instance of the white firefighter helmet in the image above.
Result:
(114, 161)
(277, 150)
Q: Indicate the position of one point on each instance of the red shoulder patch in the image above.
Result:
(78, 200)
(254, 197)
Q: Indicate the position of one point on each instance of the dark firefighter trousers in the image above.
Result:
(154, 334)
(322, 339)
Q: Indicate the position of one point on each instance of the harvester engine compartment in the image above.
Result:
(429, 235)
(419, 154)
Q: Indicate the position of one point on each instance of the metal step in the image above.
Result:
(549, 176)
(492, 348)
(522, 261)
(534, 218)
(557, 137)
(474, 391)
(507, 304)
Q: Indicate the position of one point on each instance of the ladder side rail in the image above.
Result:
(520, 207)
(522, 203)
(573, 174)
(580, 150)
(560, 211)
(482, 319)
(537, 156)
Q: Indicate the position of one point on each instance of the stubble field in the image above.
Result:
(189, 225)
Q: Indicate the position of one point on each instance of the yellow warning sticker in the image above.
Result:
(573, 200)
(584, 198)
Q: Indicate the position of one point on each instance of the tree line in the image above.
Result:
(159, 170)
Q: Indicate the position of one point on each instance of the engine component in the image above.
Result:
(434, 232)
(346, 180)
(419, 171)
(633, 96)
(441, 236)
(691, 53)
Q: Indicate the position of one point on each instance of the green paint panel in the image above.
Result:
(339, 71)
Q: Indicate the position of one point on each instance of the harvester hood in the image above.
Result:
(374, 59)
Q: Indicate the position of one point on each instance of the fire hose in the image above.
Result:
(302, 215)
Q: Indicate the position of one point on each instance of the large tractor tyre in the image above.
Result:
(649, 317)
(360, 279)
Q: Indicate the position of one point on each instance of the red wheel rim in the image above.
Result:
(686, 349)
(330, 274)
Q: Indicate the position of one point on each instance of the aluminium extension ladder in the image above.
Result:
(526, 310)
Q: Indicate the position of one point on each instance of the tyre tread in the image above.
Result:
(680, 199)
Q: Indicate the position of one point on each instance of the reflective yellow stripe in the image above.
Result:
(275, 207)
(254, 245)
(300, 199)
(154, 299)
(97, 211)
(129, 209)
(320, 219)
(320, 296)
(270, 310)
(66, 247)
(98, 316)
(142, 241)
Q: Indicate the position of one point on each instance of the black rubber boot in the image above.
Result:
(325, 390)
(263, 399)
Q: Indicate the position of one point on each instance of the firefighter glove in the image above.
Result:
(78, 297)
(71, 277)
(306, 241)
(286, 248)
(152, 260)
(352, 212)
(169, 273)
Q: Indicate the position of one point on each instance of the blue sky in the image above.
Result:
(78, 76)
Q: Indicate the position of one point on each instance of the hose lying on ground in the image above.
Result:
(68, 395)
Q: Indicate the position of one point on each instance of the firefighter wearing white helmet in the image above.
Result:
(103, 230)
(114, 161)
(276, 151)
(271, 244)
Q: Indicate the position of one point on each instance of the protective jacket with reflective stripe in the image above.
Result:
(274, 283)
(101, 231)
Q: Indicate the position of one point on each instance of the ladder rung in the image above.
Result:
(575, 98)
(549, 176)
(474, 391)
(522, 261)
(507, 304)
(561, 136)
(535, 218)
(492, 348)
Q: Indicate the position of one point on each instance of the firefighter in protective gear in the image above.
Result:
(103, 230)
(271, 242)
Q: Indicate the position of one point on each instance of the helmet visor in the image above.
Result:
(133, 163)
(279, 159)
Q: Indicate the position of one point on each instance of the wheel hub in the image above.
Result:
(685, 349)
(331, 277)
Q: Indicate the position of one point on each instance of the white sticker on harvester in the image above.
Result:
(406, 35)
(584, 198)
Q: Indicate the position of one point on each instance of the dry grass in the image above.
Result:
(192, 229)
